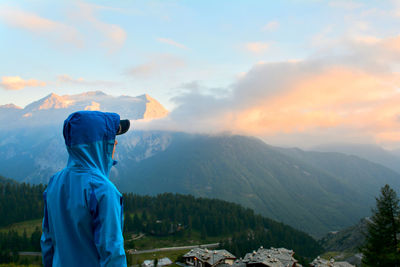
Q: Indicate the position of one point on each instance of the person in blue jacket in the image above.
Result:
(83, 211)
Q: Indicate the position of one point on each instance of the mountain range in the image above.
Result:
(32, 136)
(312, 191)
(374, 153)
(53, 109)
(316, 192)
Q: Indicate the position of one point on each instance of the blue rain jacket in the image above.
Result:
(83, 212)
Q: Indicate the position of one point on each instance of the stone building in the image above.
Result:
(199, 257)
(319, 262)
(273, 257)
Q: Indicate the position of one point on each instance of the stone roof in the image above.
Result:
(210, 256)
(267, 261)
(164, 261)
(148, 263)
(319, 262)
(236, 263)
(269, 257)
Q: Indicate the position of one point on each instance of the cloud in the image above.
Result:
(33, 23)
(17, 83)
(171, 42)
(349, 95)
(328, 98)
(257, 47)
(114, 34)
(345, 4)
(270, 26)
(66, 79)
(93, 106)
(82, 16)
(157, 65)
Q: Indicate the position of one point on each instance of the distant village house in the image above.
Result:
(319, 262)
(273, 257)
(160, 263)
(199, 257)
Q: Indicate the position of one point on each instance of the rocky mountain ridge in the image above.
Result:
(53, 109)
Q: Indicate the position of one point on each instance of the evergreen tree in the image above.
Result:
(162, 215)
(35, 239)
(382, 244)
(25, 242)
(203, 234)
(137, 223)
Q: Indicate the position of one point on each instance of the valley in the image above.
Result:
(315, 192)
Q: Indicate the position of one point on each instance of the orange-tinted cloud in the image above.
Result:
(38, 25)
(350, 96)
(115, 36)
(17, 83)
(326, 100)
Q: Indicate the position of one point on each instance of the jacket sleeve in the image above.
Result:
(107, 213)
(46, 242)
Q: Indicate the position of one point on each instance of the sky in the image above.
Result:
(290, 72)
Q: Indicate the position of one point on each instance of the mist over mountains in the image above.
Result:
(313, 191)
(374, 153)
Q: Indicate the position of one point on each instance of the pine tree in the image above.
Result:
(35, 239)
(203, 234)
(382, 245)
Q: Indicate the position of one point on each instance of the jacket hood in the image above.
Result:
(89, 137)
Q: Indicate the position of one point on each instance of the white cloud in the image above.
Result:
(346, 4)
(66, 79)
(257, 47)
(171, 42)
(270, 26)
(157, 65)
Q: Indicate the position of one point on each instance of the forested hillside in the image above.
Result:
(313, 192)
(163, 215)
(346, 240)
(20, 202)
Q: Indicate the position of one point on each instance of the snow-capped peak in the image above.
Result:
(51, 101)
(10, 106)
(91, 94)
(54, 108)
